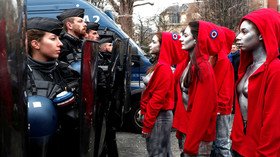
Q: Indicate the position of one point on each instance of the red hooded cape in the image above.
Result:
(178, 121)
(159, 93)
(263, 130)
(198, 122)
(224, 74)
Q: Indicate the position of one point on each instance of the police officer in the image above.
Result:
(105, 51)
(91, 33)
(106, 96)
(75, 30)
(53, 92)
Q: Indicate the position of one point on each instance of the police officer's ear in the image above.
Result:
(35, 44)
(260, 37)
(68, 25)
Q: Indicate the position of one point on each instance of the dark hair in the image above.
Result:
(159, 35)
(151, 69)
(194, 26)
(33, 34)
(182, 30)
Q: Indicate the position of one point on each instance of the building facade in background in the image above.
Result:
(175, 17)
(275, 4)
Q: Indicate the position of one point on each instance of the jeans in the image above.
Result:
(158, 144)
(235, 154)
(222, 144)
(204, 149)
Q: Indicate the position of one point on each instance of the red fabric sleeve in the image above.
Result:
(225, 89)
(203, 109)
(161, 85)
(270, 131)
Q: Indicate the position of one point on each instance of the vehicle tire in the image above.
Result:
(134, 123)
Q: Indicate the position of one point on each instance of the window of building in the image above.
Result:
(174, 17)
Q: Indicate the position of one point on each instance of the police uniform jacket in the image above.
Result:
(71, 49)
(50, 78)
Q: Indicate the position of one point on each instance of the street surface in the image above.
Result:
(133, 145)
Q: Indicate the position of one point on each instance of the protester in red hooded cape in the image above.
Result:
(178, 97)
(224, 74)
(195, 116)
(256, 129)
(179, 106)
(157, 101)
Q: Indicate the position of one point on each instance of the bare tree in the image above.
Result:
(143, 33)
(160, 22)
(99, 3)
(226, 13)
(125, 10)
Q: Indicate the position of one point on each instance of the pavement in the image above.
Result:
(133, 145)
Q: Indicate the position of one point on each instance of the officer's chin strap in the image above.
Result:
(33, 85)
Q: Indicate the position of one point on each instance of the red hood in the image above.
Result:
(209, 41)
(171, 49)
(227, 42)
(267, 22)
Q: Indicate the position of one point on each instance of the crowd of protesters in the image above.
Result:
(220, 75)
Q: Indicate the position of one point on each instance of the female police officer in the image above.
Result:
(52, 90)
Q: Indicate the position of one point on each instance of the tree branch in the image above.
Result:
(137, 5)
(115, 5)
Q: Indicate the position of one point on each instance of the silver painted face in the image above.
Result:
(248, 38)
(154, 45)
(187, 40)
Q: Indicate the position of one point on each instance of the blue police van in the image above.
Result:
(139, 62)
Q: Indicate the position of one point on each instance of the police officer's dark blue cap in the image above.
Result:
(92, 26)
(106, 40)
(45, 24)
(72, 12)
